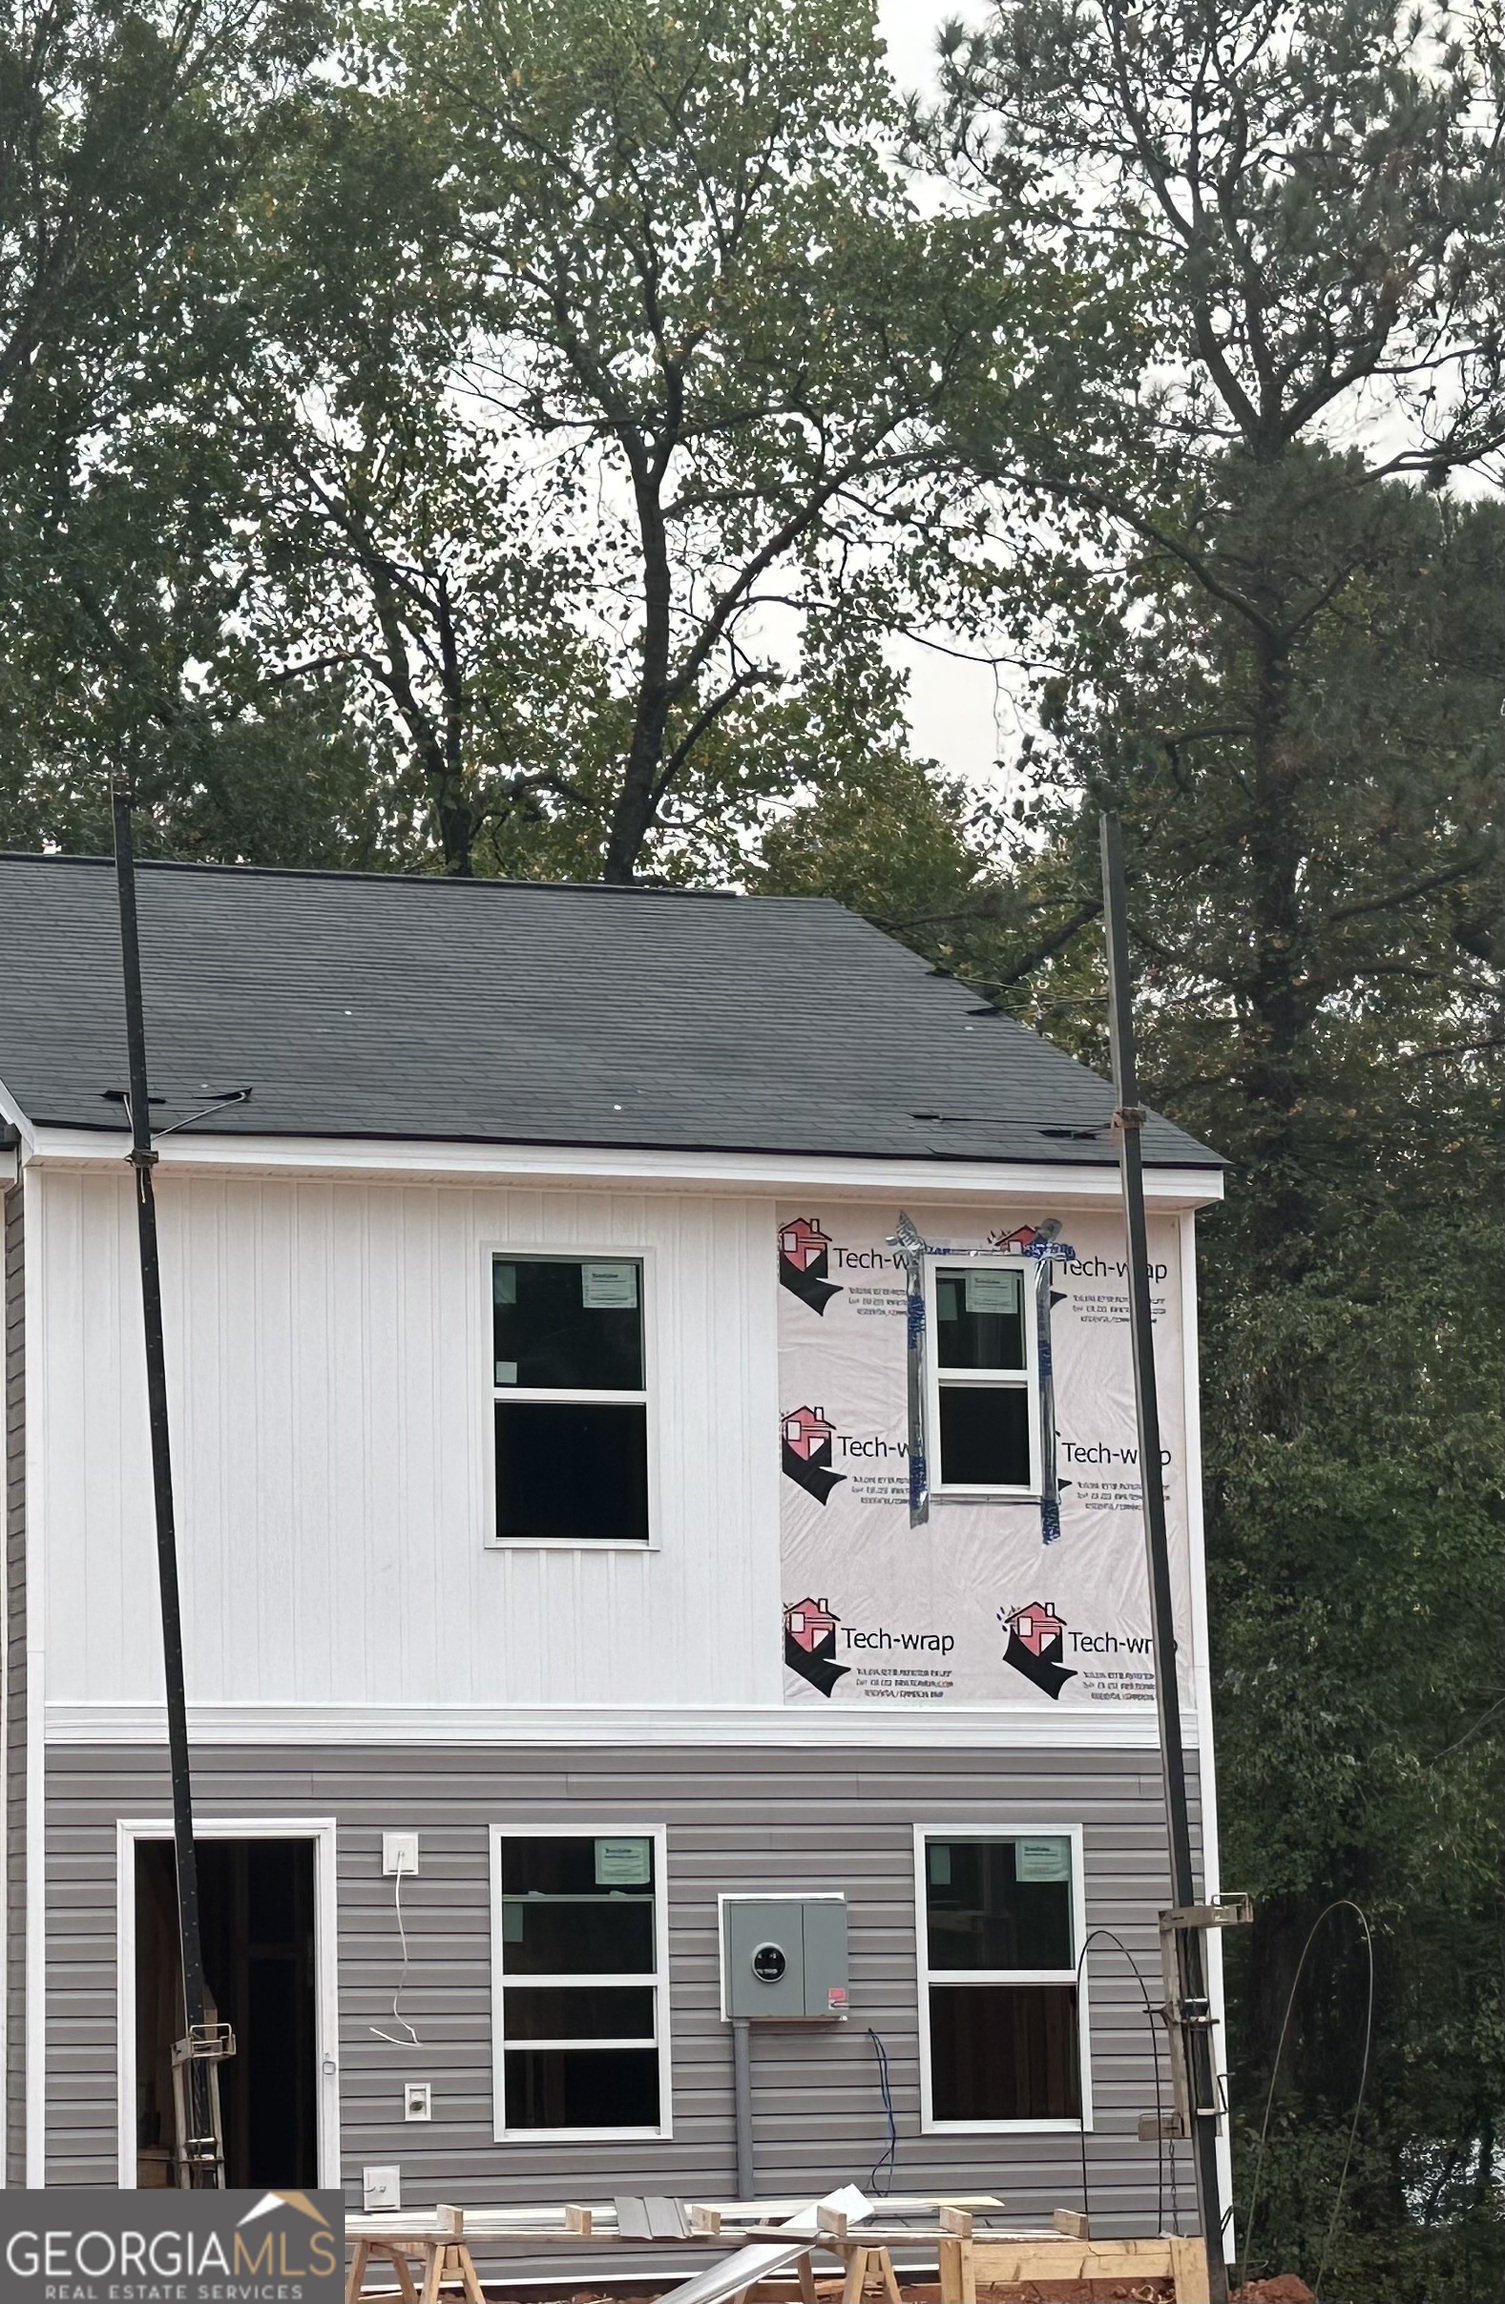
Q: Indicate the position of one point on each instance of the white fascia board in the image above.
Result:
(1063, 1184)
(11, 1113)
(1014, 1728)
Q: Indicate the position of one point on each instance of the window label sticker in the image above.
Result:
(992, 1291)
(940, 1864)
(609, 1287)
(503, 1283)
(622, 1863)
(512, 1921)
(506, 1371)
(1042, 1860)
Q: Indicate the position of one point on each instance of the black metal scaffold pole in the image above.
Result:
(202, 2164)
(1190, 2013)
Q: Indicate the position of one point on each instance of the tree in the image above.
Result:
(1276, 646)
(1314, 220)
(128, 133)
(710, 302)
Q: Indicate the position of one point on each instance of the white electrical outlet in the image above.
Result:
(418, 2100)
(399, 1852)
(381, 2187)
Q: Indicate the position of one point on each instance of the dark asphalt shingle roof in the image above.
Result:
(519, 1012)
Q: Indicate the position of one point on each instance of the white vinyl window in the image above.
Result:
(1003, 2021)
(569, 1399)
(580, 2019)
(982, 1376)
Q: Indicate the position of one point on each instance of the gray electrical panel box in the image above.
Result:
(784, 1956)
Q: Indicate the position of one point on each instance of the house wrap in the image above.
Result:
(579, 1468)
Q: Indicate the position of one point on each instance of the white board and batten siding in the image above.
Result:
(329, 1360)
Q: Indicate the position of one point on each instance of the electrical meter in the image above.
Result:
(784, 1956)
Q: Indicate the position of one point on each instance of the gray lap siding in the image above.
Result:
(13, 1983)
(744, 1819)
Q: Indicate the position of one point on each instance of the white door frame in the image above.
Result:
(321, 1831)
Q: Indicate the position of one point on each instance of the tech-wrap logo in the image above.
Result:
(808, 1439)
(810, 1644)
(192, 2247)
(1037, 1637)
(804, 1260)
(1032, 1240)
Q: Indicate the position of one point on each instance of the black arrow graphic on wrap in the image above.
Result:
(1046, 1670)
(817, 1665)
(811, 1285)
(813, 1473)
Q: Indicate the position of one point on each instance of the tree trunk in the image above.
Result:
(637, 801)
(1275, 1069)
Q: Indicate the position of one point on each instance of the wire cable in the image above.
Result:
(890, 2150)
(1112, 1936)
(398, 2018)
(1339, 1904)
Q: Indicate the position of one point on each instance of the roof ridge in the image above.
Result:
(408, 879)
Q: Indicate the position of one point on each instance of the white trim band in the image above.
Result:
(1061, 1184)
(1016, 1728)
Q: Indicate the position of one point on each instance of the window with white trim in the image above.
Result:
(982, 1376)
(570, 1399)
(1000, 1936)
(579, 2024)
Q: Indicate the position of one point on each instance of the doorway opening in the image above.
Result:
(256, 1910)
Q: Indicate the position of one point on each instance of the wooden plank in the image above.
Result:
(1189, 2270)
(1054, 2257)
(527, 2222)
(1075, 2226)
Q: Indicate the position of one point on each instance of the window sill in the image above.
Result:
(1005, 2127)
(986, 1496)
(571, 1544)
(583, 2136)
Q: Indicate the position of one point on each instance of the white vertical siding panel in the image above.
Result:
(92, 1510)
(327, 1351)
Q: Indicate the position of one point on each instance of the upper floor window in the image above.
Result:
(1000, 1936)
(982, 1376)
(571, 1405)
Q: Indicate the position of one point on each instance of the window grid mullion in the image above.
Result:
(1000, 1976)
(570, 1395)
(613, 1979)
(564, 2047)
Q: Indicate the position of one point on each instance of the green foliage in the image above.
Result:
(731, 341)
